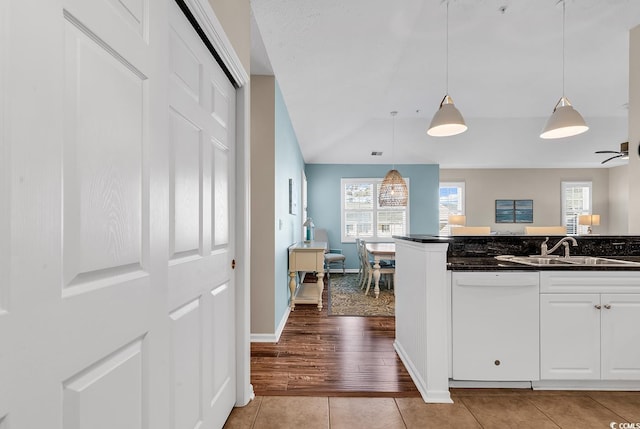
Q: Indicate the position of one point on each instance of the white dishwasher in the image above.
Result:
(495, 326)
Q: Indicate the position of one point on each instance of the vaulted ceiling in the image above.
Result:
(344, 65)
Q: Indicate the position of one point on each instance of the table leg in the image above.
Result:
(376, 275)
(292, 288)
(320, 285)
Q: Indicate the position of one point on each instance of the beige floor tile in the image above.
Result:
(293, 412)
(511, 411)
(575, 411)
(244, 417)
(369, 413)
(416, 414)
(625, 404)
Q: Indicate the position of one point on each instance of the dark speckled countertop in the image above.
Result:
(490, 263)
(477, 253)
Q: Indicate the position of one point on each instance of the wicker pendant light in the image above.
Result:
(393, 190)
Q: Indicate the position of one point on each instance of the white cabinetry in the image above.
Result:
(589, 325)
(495, 330)
(569, 336)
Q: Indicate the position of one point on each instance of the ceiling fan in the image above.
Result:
(623, 153)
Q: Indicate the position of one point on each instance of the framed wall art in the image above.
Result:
(514, 211)
(293, 197)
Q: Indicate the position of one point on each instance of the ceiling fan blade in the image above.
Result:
(613, 157)
(608, 151)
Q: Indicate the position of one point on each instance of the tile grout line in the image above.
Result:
(395, 401)
(605, 407)
(470, 412)
(255, 418)
(543, 413)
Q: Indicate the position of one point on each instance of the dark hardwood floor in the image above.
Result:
(331, 355)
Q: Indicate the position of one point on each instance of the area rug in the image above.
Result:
(345, 298)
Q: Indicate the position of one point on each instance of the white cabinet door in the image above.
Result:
(569, 336)
(620, 336)
(495, 326)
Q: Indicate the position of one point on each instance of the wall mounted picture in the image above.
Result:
(514, 211)
(293, 197)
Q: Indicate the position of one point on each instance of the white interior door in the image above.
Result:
(116, 219)
(201, 287)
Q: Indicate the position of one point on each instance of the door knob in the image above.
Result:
(598, 306)
(607, 306)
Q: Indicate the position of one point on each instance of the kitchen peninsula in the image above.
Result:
(465, 317)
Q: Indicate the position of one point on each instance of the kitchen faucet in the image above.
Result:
(545, 252)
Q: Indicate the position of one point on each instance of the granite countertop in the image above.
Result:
(490, 263)
(421, 238)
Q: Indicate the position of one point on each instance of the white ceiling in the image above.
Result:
(344, 65)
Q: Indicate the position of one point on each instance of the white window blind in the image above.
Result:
(451, 202)
(576, 200)
(362, 217)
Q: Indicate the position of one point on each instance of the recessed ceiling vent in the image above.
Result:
(376, 153)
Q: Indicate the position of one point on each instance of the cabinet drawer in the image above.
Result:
(590, 281)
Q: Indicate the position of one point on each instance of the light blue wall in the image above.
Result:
(288, 230)
(324, 198)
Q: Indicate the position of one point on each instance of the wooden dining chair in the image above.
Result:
(387, 271)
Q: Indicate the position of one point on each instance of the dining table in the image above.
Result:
(380, 252)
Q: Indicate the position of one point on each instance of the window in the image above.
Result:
(362, 216)
(576, 200)
(451, 202)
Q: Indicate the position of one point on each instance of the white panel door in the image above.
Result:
(201, 287)
(116, 166)
(569, 337)
(620, 336)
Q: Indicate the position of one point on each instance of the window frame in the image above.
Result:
(446, 229)
(376, 182)
(564, 187)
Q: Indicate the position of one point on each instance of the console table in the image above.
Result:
(307, 257)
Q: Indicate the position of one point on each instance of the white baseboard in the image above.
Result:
(428, 396)
(490, 384)
(275, 337)
(633, 385)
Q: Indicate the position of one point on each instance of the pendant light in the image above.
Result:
(393, 190)
(565, 121)
(448, 120)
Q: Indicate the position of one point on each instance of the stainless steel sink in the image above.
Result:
(541, 261)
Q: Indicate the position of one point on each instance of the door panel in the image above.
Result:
(104, 102)
(569, 337)
(88, 400)
(620, 337)
(185, 185)
(186, 368)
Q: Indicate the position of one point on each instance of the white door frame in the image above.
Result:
(211, 26)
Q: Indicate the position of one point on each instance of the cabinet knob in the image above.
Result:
(598, 306)
(607, 306)
(496, 362)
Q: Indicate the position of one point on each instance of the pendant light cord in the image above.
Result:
(393, 140)
(563, 21)
(447, 53)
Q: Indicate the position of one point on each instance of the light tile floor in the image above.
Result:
(471, 409)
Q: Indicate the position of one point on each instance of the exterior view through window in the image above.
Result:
(362, 217)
